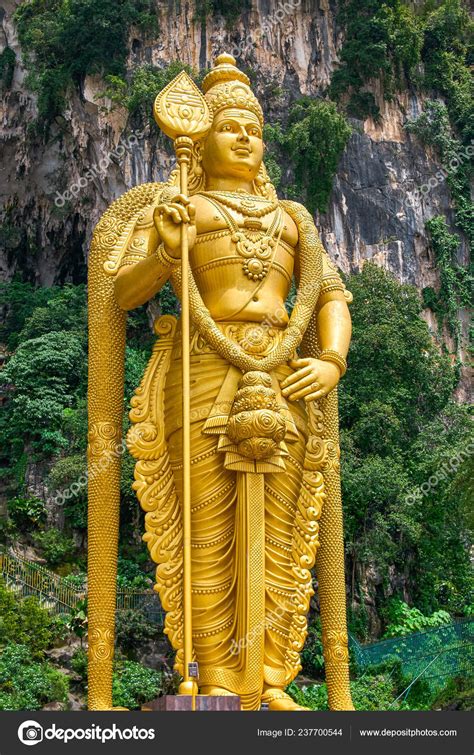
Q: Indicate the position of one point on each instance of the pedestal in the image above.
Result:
(203, 702)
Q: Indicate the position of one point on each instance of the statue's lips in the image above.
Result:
(241, 151)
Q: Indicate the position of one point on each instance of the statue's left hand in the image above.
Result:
(311, 380)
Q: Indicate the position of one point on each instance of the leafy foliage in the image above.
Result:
(404, 620)
(134, 684)
(130, 576)
(377, 689)
(312, 654)
(138, 93)
(388, 41)
(7, 68)
(64, 40)
(26, 684)
(456, 284)
(77, 622)
(313, 141)
(398, 429)
(26, 512)
(24, 621)
(231, 10)
(79, 662)
(132, 630)
(55, 546)
(382, 40)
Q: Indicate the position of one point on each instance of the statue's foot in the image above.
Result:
(217, 692)
(279, 700)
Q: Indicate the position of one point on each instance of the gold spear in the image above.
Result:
(181, 111)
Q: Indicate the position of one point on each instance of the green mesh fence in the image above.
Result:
(434, 655)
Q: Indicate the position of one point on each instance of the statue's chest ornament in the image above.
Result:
(254, 245)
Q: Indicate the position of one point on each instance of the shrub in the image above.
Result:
(55, 546)
(130, 576)
(316, 138)
(458, 694)
(26, 684)
(79, 662)
(77, 622)
(63, 40)
(139, 92)
(312, 654)
(26, 512)
(132, 629)
(313, 143)
(45, 373)
(26, 622)
(134, 684)
(7, 68)
(404, 620)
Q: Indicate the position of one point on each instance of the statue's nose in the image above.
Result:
(243, 136)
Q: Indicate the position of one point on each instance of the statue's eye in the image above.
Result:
(226, 127)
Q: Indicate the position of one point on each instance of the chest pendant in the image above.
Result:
(256, 247)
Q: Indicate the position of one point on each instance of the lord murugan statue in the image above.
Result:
(265, 501)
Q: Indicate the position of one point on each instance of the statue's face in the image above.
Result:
(234, 146)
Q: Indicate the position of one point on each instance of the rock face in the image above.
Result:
(293, 47)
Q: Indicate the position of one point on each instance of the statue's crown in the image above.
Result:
(226, 86)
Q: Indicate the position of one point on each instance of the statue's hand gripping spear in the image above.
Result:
(183, 114)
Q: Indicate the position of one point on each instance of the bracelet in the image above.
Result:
(165, 258)
(328, 355)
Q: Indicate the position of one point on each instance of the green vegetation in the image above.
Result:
(404, 620)
(64, 40)
(26, 684)
(382, 40)
(138, 93)
(26, 512)
(312, 659)
(376, 689)
(132, 631)
(7, 68)
(456, 283)
(404, 475)
(434, 129)
(55, 546)
(24, 621)
(231, 10)
(313, 142)
(134, 684)
(388, 41)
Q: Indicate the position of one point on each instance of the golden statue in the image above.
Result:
(261, 429)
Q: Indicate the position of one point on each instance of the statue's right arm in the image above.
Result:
(142, 272)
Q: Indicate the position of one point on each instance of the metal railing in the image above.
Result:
(27, 578)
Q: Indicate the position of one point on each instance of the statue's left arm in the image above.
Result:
(315, 377)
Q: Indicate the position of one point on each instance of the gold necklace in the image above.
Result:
(251, 243)
(248, 204)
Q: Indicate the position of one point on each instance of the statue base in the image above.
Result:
(184, 702)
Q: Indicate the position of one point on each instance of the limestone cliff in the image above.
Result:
(292, 49)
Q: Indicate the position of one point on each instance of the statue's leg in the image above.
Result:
(281, 493)
(213, 508)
